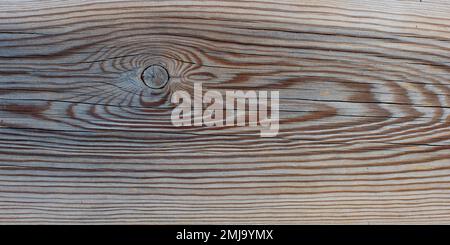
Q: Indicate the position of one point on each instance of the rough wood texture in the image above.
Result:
(364, 106)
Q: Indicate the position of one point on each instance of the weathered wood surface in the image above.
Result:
(364, 107)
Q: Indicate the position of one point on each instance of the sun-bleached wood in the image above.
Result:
(364, 112)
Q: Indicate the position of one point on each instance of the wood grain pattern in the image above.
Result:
(364, 112)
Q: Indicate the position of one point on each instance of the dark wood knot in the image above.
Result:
(155, 76)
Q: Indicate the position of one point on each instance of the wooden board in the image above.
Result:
(364, 112)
